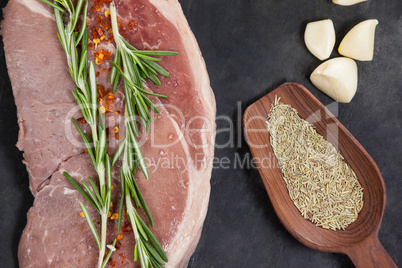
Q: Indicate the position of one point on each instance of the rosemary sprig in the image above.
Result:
(85, 94)
(137, 67)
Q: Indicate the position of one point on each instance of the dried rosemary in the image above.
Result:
(321, 185)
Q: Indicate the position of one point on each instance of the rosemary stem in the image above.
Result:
(119, 44)
(125, 165)
(69, 40)
(113, 18)
(103, 237)
(130, 208)
(94, 133)
(101, 176)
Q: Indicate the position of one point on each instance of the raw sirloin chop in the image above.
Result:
(179, 147)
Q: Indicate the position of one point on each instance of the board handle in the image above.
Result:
(369, 254)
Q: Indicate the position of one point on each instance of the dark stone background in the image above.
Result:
(251, 47)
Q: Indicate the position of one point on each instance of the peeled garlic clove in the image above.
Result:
(358, 43)
(320, 38)
(347, 2)
(337, 78)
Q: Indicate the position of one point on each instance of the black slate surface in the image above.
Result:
(251, 47)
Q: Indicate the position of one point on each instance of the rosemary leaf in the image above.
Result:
(53, 5)
(85, 139)
(157, 246)
(152, 94)
(91, 225)
(93, 87)
(74, 61)
(129, 181)
(154, 79)
(101, 120)
(77, 15)
(82, 36)
(136, 252)
(138, 224)
(156, 52)
(60, 29)
(102, 146)
(123, 187)
(79, 188)
(157, 68)
(143, 203)
(83, 63)
(95, 190)
(118, 152)
(125, 77)
(108, 171)
(153, 253)
(91, 193)
(81, 102)
(116, 61)
(151, 105)
(67, 5)
(144, 56)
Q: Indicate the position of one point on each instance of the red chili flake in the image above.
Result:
(96, 7)
(81, 120)
(99, 61)
(131, 25)
(95, 35)
(96, 42)
(107, 132)
(99, 31)
(101, 90)
(122, 29)
(100, 20)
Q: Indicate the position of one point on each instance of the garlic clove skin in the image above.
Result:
(347, 2)
(337, 78)
(320, 38)
(358, 43)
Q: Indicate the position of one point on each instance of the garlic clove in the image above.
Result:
(337, 78)
(320, 38)
(358, 43)
(347, 2)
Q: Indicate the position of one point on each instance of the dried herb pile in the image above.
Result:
(322, 186)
